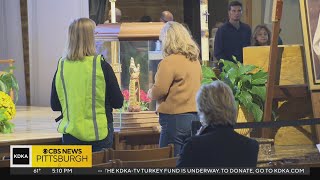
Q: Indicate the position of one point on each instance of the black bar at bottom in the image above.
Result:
(160, 171)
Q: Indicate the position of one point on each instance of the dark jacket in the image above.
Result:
(230, 41)
(113, 97)
(219, 147)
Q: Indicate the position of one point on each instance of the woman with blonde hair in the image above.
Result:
(177, 81)
(85, 90)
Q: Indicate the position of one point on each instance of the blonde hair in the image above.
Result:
(216, 104)
(80, 39)
(176, 39)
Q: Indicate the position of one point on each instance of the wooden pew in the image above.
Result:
(156, 163)
(5, 159)
(142, 154)
(296, 165)
(4, 155)
(100, 157)
(109, 164)
(5, 163)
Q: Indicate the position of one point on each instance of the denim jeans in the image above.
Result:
(175, 129)
(109, 139)
(96, 145)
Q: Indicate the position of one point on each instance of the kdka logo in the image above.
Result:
(20, 156)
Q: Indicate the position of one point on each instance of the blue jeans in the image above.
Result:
(68, 139)
(175, 129)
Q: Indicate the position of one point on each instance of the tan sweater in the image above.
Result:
(176, 83)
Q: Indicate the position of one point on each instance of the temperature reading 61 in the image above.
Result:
(36, 171)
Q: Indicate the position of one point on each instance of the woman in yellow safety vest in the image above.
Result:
(85, 90)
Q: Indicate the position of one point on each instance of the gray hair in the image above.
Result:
(81, 41)
(118, 14)
(216, 104)
(166, 16)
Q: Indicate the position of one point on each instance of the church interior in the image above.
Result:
(33, 35)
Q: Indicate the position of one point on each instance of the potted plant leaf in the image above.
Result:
(248, 83)
(9, 82)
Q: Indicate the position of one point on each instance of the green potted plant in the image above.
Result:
(248, 83)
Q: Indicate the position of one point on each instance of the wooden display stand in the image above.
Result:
(291, 96)
(286, 81)
(143, 120)
(129, 31)
(133, 130)
(136, 130)
(276, 91)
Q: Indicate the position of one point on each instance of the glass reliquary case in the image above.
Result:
(133, 50)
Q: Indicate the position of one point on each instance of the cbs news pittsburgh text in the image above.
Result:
(77, 160)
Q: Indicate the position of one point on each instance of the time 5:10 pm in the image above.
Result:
(61, 170)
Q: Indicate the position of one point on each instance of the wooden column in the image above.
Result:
(113, 10)
(248, 12)
(204, 18)
(116, 66)
(25, 45)
(273, 75)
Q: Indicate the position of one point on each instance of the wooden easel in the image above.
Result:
(281, 92)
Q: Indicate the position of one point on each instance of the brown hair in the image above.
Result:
(254, 41)
(234, 3)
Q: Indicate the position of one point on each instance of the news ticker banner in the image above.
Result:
(77, 160)
(51, 156)
(159, 171)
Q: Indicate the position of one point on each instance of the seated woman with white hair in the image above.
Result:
(217, 144)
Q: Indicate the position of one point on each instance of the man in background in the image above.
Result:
(166, 16)
(232, 36)
(118, 16)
